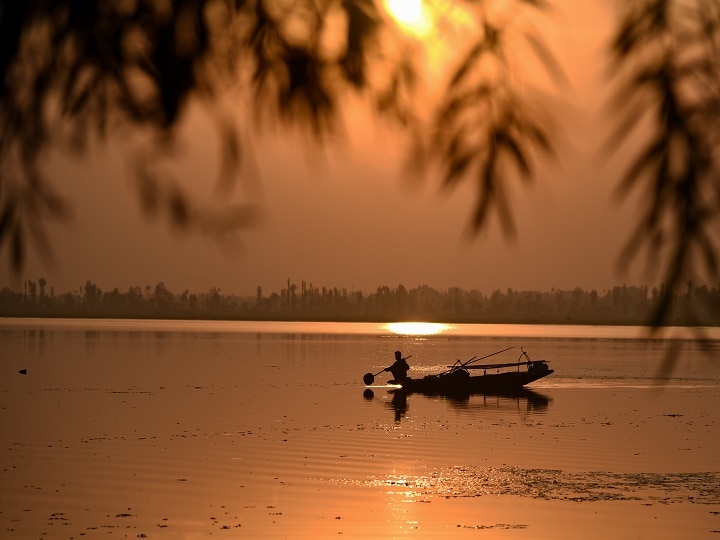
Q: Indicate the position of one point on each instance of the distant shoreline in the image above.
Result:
(620, 306)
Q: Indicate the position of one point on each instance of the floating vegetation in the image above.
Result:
(498, 526)
(550, 484)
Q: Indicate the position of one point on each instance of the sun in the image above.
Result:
(411, 15)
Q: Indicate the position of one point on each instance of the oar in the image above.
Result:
(473, 359)
(369, 378)
(461, 364)
(493, 354)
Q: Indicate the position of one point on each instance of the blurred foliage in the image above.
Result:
(74, 71)
(666, 57)
(483, 122)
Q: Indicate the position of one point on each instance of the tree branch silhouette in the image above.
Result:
(76, 70)
(667, 55)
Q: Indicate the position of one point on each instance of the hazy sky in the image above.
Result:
(345, 217)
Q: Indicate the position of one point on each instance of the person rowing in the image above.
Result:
(399, 368)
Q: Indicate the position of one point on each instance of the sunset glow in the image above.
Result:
(411, 15)
(416, 328)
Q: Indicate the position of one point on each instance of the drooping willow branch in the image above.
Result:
(71, 72)
(666, 53)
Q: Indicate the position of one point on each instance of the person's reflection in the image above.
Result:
(399, 405)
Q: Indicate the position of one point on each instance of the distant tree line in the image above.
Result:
(698, 306)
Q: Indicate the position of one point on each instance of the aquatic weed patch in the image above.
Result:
(551, 484)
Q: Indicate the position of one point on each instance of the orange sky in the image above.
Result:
(343, 216)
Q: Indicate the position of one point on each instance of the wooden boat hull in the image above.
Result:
(461, 382)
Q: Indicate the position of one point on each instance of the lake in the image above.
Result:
(190, 429)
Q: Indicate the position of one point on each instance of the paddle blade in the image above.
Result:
(368, 378)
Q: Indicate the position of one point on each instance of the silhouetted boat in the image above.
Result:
(493, 378)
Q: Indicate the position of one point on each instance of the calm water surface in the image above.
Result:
(183, 429)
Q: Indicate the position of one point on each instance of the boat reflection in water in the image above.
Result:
(522, 399)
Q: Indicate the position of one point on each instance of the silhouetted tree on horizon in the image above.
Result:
(620, 305)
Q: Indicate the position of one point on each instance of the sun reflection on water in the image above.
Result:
(416, 328)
